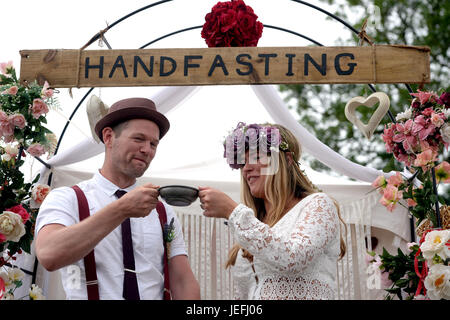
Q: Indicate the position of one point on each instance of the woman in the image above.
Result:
(288, 233)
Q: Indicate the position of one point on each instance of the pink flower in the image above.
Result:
(391, 196)
(425, 158)
(405, 135)
(409, 245)
(38, 108)
(443, 172)
(11, 90)
(380, 182)
(423, 127)
(17, 120)
(411, 202)
(4, 66)
(424, 96)
(46, 92)
(437, 119)
(6, 130)
(387, 135)
(36, 150)
(395, 180)
(39, 192)
(21, 212)
(427, 112)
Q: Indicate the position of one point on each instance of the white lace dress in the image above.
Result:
(294, 259)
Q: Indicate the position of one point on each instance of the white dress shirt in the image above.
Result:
(61, 207)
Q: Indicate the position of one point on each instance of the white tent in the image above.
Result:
(184, 159)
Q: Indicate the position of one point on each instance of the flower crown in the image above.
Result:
(254, 138)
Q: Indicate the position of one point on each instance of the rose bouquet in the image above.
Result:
(22, 114)
(231, 24)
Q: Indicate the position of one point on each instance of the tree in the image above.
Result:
(321, 107)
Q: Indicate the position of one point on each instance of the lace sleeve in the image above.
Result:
(289, 249)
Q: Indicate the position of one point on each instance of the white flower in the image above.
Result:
(446, 112)
(15, 274)
(11, 226)
(437, 282)
(39, 192)
(435, 244)
(36, 293)
(404, 115)
(445, 132)
(11, 150)
(6, 157)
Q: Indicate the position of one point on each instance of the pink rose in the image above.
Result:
(443, 172)
(425, 158)
(36, 150)
(21, 212)
(380, 182)
(437, 119)
(391, 196)
(395, 180)
(39, 192)
(38, 108)
(4, 66)
(6, 130)
(17, 120)
(13, 90)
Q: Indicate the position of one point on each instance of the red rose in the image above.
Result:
(21, 212)
(231, 24)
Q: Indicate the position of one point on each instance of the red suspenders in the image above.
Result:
(89, 260)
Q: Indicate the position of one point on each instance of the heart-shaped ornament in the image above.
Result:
(96, 110)
(377, 116)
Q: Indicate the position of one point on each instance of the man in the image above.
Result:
(130, 131)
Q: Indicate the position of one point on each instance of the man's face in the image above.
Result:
(135, 147)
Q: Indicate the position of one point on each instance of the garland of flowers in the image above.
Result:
(23, 110)
(231, 24)
(418, 139)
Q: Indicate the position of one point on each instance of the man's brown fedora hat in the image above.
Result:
(132, 108)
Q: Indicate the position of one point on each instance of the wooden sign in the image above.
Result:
(226, 66)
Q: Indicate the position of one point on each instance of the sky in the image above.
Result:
(199, 125)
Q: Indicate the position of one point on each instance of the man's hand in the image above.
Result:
(139, 202)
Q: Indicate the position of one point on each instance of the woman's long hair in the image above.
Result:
(279, 188)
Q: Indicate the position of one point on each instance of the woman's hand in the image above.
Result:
(215, 203)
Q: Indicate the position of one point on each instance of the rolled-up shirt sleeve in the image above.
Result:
(60, 207)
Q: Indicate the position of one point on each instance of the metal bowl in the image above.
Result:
(180, 196)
